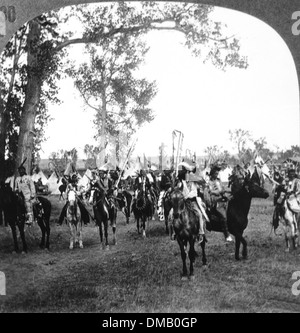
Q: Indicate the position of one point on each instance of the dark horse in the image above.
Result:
(186, 227)
(167, 206)
(243, 189)
(105, 209)
(142, 208)
(13, 205)
(124, 199)
(62, 188)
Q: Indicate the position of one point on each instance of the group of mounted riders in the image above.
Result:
(205, 193)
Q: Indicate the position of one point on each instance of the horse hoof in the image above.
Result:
(192, 277)
(184, 278)
(81, 246)
(71, 247)
(106, 247)
(23, 252)
(205, 268)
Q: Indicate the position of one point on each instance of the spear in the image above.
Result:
(126, 160)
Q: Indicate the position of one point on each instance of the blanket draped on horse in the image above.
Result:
(84, 213)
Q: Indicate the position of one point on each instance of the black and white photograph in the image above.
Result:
(149, 159)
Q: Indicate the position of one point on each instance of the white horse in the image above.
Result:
(289, 216)
(73, 216)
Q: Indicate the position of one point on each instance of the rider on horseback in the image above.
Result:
(73, 186)
(218, 200)
(288, 189)
(25, 184)
(191, 193)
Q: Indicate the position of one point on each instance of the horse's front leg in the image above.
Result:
(73, 235)
(21, 226)
(138, 224)
(47, 226)
(192, 256)
(183, 258)
(79, 234)
(101, 233)
(237, 246)
(43, 230)
(204, 259)
(144, 218)
(14, 235)
(113, 219)
(245, 248)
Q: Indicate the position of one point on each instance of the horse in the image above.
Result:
(62, 189)
(243, 189)
(186, 226)
(13, 205)
(287, 212)
(142, 208)
(105, 209)
(124, 200)
(73, 216)
(167, 206)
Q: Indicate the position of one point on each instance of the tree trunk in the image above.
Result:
(32, 99)
(3, 130)
(101, 156)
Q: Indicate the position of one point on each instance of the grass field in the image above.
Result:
(143, 275)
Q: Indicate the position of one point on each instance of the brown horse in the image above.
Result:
(13, 205)
(105, 210)
(142, 208)
(243, 188)
(186, 225)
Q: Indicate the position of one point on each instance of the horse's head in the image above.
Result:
(252, 183)
(95, 193)
(72, 197)
(177, 199)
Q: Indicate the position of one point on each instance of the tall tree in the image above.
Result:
(108, 86)
(101, 22)
(240, 138)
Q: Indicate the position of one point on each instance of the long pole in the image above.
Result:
(126, 160)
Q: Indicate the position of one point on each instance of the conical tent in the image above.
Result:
(85, 179)
(40, 175)
(53, 184)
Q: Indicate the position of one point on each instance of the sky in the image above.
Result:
(200, 101)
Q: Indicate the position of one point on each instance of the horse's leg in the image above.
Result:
(21, 227)
(47, 226)
(183, 257)
(72, 238)
(192, 256)
(245, 248)
(41, 224)
(144, 218)
(14, 235)
(138, 224)
(204, 259)
(114, 226)
(237, 246)
(101, 233)
(79, 234)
